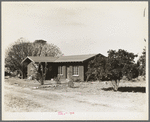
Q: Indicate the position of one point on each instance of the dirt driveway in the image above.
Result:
(28, 96)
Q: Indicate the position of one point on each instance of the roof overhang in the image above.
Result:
(81, 60)
(26, 59)
(63, 60)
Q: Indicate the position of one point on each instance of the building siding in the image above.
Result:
(63, 75)
(31, 69)
(81, 74)
(67, 71)
(66, 63)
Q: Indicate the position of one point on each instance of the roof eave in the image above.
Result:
(69, 62)
(91, 57)
(28, 58)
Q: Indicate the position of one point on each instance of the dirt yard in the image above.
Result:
(29, 96)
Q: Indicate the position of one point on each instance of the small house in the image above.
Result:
(66, 67)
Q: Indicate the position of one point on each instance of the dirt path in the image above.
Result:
(34, 100)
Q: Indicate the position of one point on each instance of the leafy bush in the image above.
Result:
(142, 63)
(77, 80)
(124, 78)
(118, 64)
(57, 79)
(92, 78)
(36, 76)
(70, 84)
(7, 74)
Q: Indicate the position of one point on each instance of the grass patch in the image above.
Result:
(18, 104)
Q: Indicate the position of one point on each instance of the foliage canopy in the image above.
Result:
(22, 48)
(118, 64)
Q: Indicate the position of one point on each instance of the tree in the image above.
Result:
(22, 48)
(42, 42)
(40, 71)
(142, 63)
(121, 63)
(16, 53)
(96, 68)
(117, 64)
(42, 48)
(121, 60)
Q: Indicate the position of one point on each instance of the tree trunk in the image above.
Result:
(87, 78)
(45, 71)
(21, 73)
(42, 82)
(98, 79)
(115, 84)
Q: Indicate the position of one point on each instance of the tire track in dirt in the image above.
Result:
(62, 102)
(54, 101)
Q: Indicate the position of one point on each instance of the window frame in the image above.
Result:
(60, 72)
(75, 70)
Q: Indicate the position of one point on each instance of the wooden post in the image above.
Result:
(42, 83)
(22, 68)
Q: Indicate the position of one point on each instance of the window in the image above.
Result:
(60, 70)
(75, 70)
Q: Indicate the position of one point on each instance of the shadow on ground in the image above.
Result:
(76, 86)
(127, 89)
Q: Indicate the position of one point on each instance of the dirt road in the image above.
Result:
(24, 99)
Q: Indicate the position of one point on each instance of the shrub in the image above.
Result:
(77, 80)
(92, 78)
(117, 64)
(37, 77)
(7, 74)
(124, 78)
(70, 84)
(57, 79)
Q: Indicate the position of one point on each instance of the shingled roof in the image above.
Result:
(75, 58)
(40, 59)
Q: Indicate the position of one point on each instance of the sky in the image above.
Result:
(78, 27)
